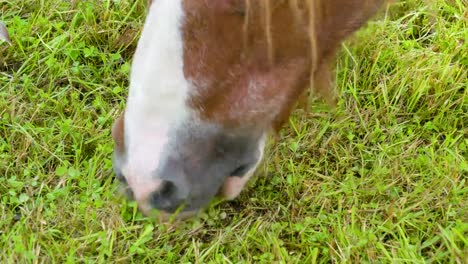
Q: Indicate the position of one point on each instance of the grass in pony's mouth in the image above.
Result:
(382, 178)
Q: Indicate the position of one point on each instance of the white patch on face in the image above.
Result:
(233, 185)
(156, 105)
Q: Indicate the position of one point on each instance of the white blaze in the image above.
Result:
(157, 97)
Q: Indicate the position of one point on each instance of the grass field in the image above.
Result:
(381, 179)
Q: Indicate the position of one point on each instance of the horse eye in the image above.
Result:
(240, 171)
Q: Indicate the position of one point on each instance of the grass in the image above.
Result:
(381, 179)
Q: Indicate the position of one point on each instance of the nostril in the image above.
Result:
(240, 171)
(167, 188)
(165, 198)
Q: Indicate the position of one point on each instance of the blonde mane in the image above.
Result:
(305, 12)
(311, 6)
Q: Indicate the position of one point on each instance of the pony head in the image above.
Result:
(210, 80)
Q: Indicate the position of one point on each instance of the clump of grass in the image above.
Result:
(381, 178)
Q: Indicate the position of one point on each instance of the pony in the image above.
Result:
(210, 81)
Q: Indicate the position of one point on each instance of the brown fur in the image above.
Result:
(118, 134)
(285, 44)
